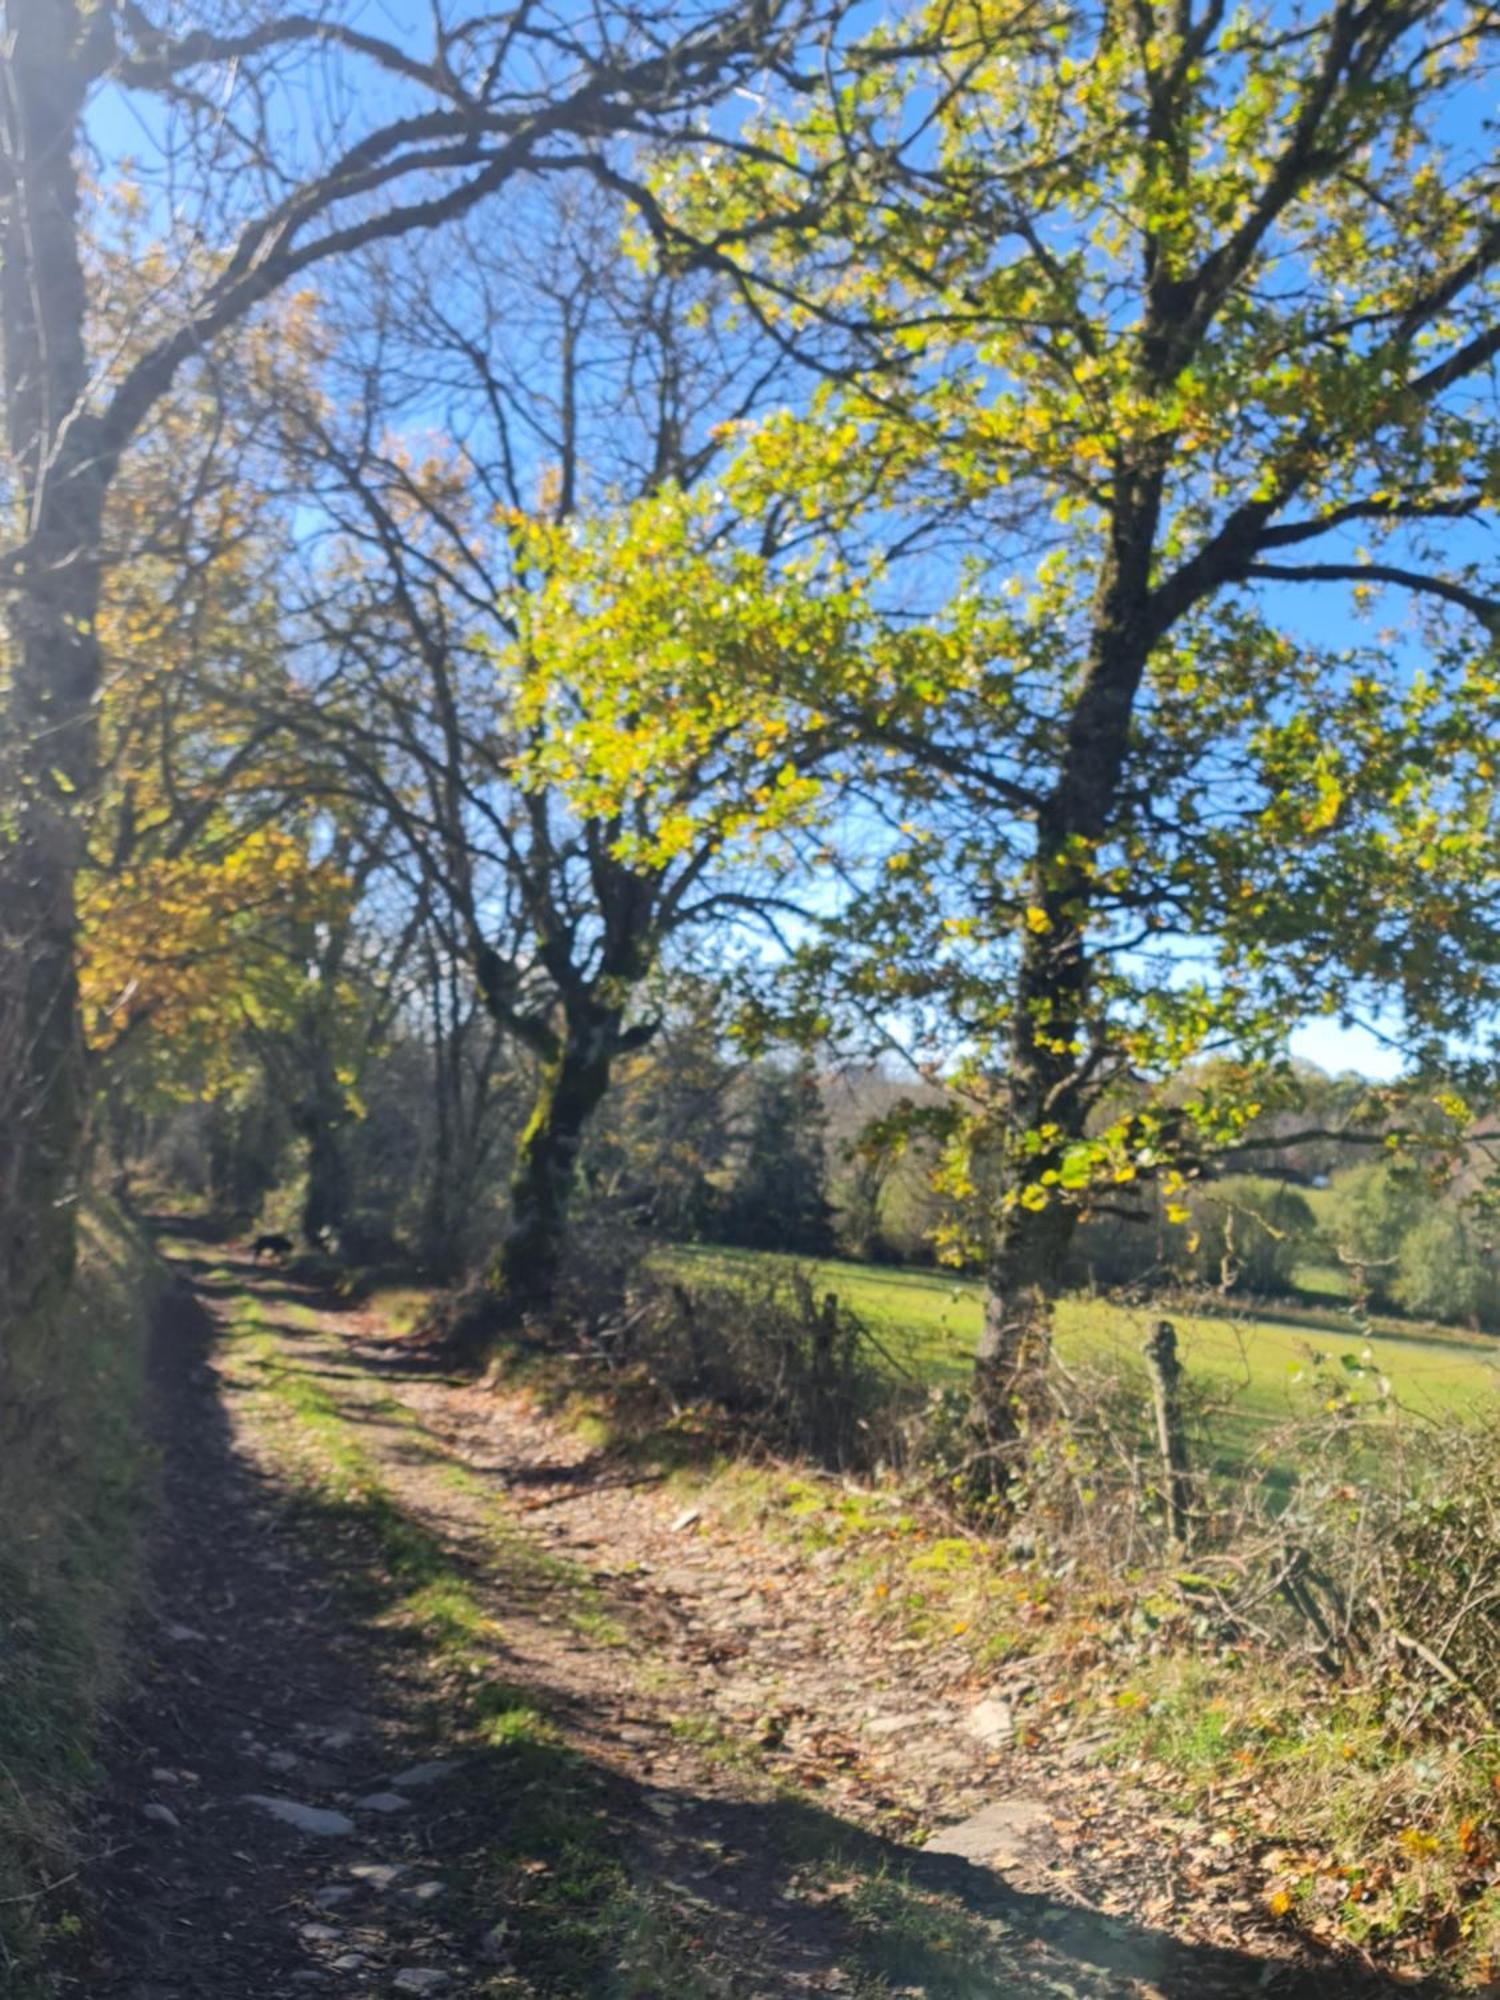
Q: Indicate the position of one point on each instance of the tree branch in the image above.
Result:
(1485, 609)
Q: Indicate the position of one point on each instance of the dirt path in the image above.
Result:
(437, 1699)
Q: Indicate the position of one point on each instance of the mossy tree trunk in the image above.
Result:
(574, 1080)
(59, 470)
(322, 1118)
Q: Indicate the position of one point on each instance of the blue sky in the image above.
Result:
(1336, 1048)
(119, 128)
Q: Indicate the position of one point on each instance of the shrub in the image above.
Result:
(1440, 1274)
(1373, 1210)
(1385, 1564)
(784, 1364)
(1250, 1236)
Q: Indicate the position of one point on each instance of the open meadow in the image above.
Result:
(1252, 1365)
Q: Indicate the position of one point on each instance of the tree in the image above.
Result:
(1179, 313)
(410, 137)
(661, 1149)
(1248, 1235)
(778, 1199)
(197, 863)
(1441, 1275)
(508, 634)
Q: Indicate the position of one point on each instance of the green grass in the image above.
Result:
(1261, 1363)
(74, 1474)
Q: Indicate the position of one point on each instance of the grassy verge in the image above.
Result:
(73, 1476)
(1355, 1814)
(1352, 1817)
(1351, 1813)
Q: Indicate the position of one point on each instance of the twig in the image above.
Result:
(36, 1895)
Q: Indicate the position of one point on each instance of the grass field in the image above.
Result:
(1262, 1363)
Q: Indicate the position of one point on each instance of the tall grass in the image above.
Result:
(73, 1473)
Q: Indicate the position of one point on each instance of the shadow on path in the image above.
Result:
(268, 1666)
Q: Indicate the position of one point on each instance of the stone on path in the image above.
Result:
(382, 1802)
(991, 1721)
(377, 1874)
(996, 1835)
(425, 1774)
(306, 1819)
(161, 1815)
(420, 1979)
(333, 1895)
(420, 1894)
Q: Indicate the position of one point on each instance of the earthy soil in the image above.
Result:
(743, 1742)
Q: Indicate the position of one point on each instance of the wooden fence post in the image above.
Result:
(1166, 1373)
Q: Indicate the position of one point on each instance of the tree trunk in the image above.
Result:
(1049, 1078)
(54, 654)
(573, 1084)
(1024, 1274)
(325, 1201)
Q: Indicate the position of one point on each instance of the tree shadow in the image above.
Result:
(554, 1822)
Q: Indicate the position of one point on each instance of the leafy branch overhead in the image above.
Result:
(1150, 318)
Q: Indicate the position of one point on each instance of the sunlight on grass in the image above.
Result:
(930, 1320)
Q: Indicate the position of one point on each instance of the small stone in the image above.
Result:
(331, 1897)
(421, 1894)
(306, 1819)
(283, 1760)
(377, 1875)
(160, 1815)
(686, 1519)
(319, 1933)
(349, 1961)
(337, 1739)
(420, 1979)
(383, 1802)
(160, 1775)
(418, 1775)
(997, 1834)
(991, 1722)
(185, 1635)
(663, 1808)
(894, 1725)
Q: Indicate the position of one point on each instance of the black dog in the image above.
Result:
(271, 1246)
